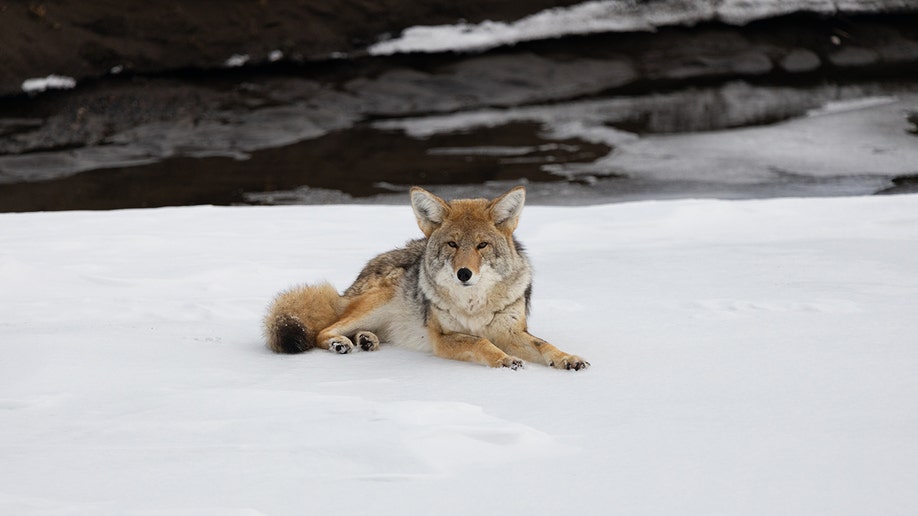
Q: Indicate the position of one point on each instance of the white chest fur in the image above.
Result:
(476, 309)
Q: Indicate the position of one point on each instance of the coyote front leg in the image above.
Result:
(553, 356)
(469, 348)
(533, 349)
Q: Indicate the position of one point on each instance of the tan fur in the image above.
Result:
(462, 292)
(315, 306)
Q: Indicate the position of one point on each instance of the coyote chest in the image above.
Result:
(477, 309)
(468, 315)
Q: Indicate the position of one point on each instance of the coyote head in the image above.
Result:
(470, 240)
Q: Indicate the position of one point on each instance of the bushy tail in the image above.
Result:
(297, 315)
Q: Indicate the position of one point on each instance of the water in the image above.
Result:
(571, 152)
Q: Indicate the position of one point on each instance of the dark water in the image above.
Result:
(359, 163)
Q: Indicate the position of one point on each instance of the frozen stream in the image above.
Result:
(734, 140)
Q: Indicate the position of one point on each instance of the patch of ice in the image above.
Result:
(51, 82)
(840, 106)
(872, 131)
(236, 60)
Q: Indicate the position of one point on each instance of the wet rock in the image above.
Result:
(527, 78)
(902, 185)
(492, 80)
(899, 50)
(706, 53)
(912, 118)
(854, 57)
(405, 91)
(800, 60)
(13, 126)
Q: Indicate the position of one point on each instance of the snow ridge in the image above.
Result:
(611, 16)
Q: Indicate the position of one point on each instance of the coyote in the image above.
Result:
(461, 292)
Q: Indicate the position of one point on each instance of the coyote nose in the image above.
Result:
(464, 274)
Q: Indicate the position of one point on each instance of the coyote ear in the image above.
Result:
(429, 209)
(506, 209)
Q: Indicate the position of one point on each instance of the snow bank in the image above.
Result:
(51, 82)
(750, 357)
(236, 60)
(611, 16)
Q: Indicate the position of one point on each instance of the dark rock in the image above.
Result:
(800, 60)
(899, 50)
(854, 57)
(912, 118)
(901, 185)
(490, 80)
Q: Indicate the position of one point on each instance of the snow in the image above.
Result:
(842, 106)
(236, 60)
(807, 146)
(51, 82)
(748, 357)
(611, 16)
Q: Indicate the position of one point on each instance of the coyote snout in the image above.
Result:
(464, 275)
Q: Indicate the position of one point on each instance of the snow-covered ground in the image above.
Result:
(748, 357)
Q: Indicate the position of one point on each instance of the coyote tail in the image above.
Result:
(298, 314)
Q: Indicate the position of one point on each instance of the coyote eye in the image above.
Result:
(452, 244)
(482, 245)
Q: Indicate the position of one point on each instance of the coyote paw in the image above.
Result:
(570, 362)
(341, 345)
(368, 341)
(511, 362)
